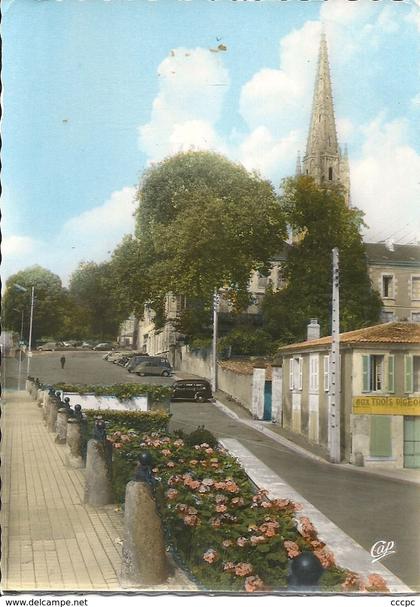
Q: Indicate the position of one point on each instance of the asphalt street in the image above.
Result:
(367, 507)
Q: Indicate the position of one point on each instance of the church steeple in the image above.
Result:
(323, 160)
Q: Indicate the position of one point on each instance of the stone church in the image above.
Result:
(327, 163)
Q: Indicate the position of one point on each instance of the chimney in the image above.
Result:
(313, 330)
(389, 243)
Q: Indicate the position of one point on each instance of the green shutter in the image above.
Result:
(391, 373)
(408, 373)
(366, 373)
(380, 436)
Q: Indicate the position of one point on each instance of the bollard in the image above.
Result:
(306, 570)
(52, 418)
(144, 560)
(98, 488)
(62, 416)
(74, 457)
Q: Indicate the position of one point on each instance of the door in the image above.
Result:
(411, 441)
(267, 402)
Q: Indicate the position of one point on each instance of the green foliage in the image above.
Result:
(247, 341)
(218, 525)
(321, 221)
(332, 579)
(198, 221)
(91, 286)
(139, 421)
(199, 436)
(49, 308)
(121, 391)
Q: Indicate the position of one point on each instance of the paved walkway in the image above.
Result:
(51, 540)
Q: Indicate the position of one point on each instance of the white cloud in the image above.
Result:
(192, 85)
(280, 98)
(386, 180)
(89, 236)
(273, 158)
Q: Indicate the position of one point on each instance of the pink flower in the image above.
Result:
(265, 504)
(257, 539)
(221, 508)
(219, 498)
(216, 522)
(253, 583)
(229, 567)
(210, 556)
(281, 503)
(326, 557)
(243, 569)
(209, 451)
(166, 452)
(352, 582)
(237, 501)
(242, 541)
(231, 486)
(179, 443)
(171, 494)
(306, 528)
(204, 445)
(191, 520)
(208, 482)
(292, 549)
(193, 462)
(118, 445)
(376, 583)
(170, 464)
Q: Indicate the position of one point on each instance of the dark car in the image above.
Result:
(192, 389)
(135, 360)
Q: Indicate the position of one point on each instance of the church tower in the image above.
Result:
(323, 159)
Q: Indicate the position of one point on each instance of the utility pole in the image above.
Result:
(30, 331)
(214, 357)
(20, 351)
(334, 370)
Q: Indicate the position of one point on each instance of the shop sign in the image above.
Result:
(386, 405)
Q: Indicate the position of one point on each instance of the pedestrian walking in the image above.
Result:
(63, 361)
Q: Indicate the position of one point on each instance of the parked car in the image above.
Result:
(103, 346)
(192, 389)
(154, 365)
(135, 360)
(51, 346)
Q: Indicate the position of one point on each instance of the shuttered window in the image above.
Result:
(300, 361)
(380, 436)
(391, 374)
(408, 374)
(291, 362)
(314, 372)
(366, 372)
(326, 373)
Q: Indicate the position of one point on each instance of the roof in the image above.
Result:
(400, 254)
(243, 367)
(388, 333)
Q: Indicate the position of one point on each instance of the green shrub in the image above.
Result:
(121, 391)
(140, 421)
(200, 436)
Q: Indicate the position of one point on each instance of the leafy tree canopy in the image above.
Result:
(320, 221)
(206, 222)
(48, 303)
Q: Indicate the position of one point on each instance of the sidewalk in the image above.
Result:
(225, 403)
(51, 540)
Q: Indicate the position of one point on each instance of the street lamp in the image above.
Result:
(24, 290)
(216, 300)
(20, 344)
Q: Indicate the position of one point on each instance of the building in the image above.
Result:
(380, 394)
(127, 335)
(394, 270)
(324, 160)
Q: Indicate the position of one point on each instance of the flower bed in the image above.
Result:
(137, 421)
(121, 391)
(230, 537)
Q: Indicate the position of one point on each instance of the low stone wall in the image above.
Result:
(198, 362)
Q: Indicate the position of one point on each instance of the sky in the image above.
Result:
(96, 90)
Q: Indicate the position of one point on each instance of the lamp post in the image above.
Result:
(20, 344)
(24, 290)
(214, 349)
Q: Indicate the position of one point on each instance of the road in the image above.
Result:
(367, 507)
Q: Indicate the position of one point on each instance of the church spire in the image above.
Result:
(298, 171)
(322, 159)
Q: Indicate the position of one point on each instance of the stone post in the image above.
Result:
(258, 385)
(144, 561)
(98, 488)
(62, 417)
(74, 457)
(277, 391)
(52, 416)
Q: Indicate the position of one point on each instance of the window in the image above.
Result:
(387, 286)
(415, 287)
(296, 373)
(411, 373)
(313, 372)
(330, 173)
(415, 316)
(373, 373)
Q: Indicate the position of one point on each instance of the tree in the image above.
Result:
(206, 223)
(91, 286)
(49, 303)
(320, 221)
